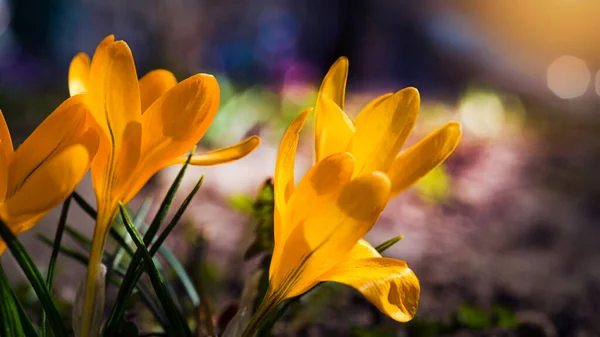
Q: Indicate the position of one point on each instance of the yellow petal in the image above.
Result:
(3, 175)
(154, 84)
(388, 283)
(79, 74)
(334, 83)
(103, 44)
(333, 129)
(284, 168)
(50, 182)
(172, 125)
(318, 189)
(326, 234)
(58, 130)
(224, 155)
(114, 96)
(114, 101)
(382, 129)
(334, 87)
(423, 157)
(5, 139)
(362, 250)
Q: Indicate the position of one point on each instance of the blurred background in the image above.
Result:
(504, 236)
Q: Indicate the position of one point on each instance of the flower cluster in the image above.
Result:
(124, 130)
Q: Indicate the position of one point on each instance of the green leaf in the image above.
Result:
(145, 293)
(87, 208)
(10, 321)
(387, 244)
(137, 221)
(28, 328)
(163, 236)
(54, 255)
(35, 278)
(176, 319)
(263, 212)
(135, 267)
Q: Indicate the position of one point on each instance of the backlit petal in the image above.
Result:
(114, 101)
(283, 180)
(224, 155)
(52, 181)
(172, 125)
(154, 84)
(423, 157)
(362, 250)
(318, 189)
(5, 139)
(334, 83)
(382, 129)
(326, 235)
(333, 129)
(79, 74)
(388, 283)
(334, 87)
(114, 96)
(58, 130)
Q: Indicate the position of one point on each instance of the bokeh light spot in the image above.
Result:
(568, 77)
(482, 114)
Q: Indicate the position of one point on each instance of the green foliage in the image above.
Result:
(35, 278)
(262, 212)
(388, 244)
(473, 318)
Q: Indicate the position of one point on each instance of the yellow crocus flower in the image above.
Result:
(144, 126)
(46, 168)
(320, 223)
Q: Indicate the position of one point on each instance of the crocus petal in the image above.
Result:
(326, 235)
(51, 182)
(334, 83)
(79, 74)
(114, 101)
(319, 188)
(154, 84)
(283, 179)
(362, 250)
(333, 129)
(5, 139)
(3, 175)
(388, 283)
(172, 125)
(224, 155)
(58, 130)
(334, 87)
(423, 157)
(114, 96)
(382, 129)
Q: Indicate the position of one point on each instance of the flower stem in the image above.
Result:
(266, 306)
(93, 273)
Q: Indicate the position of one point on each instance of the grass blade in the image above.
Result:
(387, 244)
(10, 321)
(135, 270)
(54, 255)
(145, 293)
(137, 221)
(35, 278)
(163, 236)
(177, 320)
